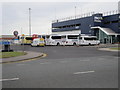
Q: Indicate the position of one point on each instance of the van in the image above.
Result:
(89, 40)
(53, 40)
(26, 40)
(70, 39)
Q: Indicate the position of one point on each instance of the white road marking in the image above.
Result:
(63, 61)
(46, 63)
(42, 63)
(117, 57)
(70, 61)
(84, 72)
(11, 79)
(84, 60)
(20, 64)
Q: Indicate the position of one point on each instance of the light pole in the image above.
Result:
(75, 12)
(29, 21)
(119, 7)
(75, 18)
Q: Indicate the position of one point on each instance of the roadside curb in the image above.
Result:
(108, 49)
(26, 59)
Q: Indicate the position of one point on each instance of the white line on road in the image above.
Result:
(63, 61)
(84, 72)
(84, 60)
(20, 64)
(46, 63)
(11, 79)
(42, 63)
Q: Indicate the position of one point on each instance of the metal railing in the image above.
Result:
(74, 17)
(86, 15)
(111, 12)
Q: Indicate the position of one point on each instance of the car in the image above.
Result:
(38, 42)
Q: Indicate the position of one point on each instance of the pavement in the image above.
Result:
(108, 49)
(28, 56)
(108, 45)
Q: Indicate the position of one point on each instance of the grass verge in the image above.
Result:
(11, 54)
(117, 48)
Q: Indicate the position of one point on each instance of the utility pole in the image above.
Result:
(29, 21)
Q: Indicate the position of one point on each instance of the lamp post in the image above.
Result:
(119, 7)
(75, 19)
(75, 12)
(29, 21)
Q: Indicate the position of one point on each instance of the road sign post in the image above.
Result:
(23, 49)
(16, 39)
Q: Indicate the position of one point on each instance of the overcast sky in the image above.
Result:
(15, 15)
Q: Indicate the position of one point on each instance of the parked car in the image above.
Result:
(38, 42)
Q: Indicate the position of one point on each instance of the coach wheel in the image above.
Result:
(89, 44)
(58, 44)
(74, 44)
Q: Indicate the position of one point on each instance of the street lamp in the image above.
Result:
(29, 21)
(75, 12)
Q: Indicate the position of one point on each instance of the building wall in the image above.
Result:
(84, 24)
(68, 32)
(112, 22)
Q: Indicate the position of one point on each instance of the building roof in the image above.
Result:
(8, 37)
(108, 31)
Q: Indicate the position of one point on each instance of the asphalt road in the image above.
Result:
(64, 67)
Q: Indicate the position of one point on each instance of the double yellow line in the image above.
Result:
(25, 60)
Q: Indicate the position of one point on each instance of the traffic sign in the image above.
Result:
(5, 43)
(15, 33)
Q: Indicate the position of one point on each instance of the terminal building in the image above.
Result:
(105, 27)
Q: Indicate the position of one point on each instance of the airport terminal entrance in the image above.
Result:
(106, 36)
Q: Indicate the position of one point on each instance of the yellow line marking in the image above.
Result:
(8, 62)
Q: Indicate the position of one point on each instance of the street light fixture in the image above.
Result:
(29, 21)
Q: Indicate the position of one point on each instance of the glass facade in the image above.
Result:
(104, 38)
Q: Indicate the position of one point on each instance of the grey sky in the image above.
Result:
(15, 15)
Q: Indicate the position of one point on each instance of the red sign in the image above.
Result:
(34, 35)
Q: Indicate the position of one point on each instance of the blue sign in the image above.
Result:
(5, 43)
(0, 43)
(15, 39)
